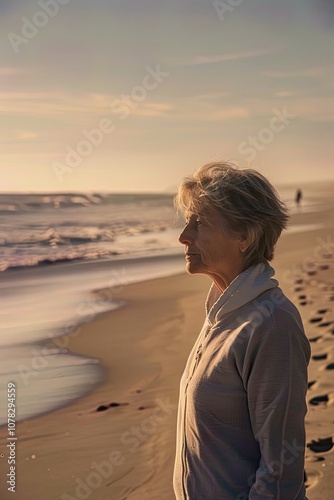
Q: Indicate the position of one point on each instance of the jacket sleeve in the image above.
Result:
(275, 379)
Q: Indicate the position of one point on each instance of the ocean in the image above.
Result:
(58, 251)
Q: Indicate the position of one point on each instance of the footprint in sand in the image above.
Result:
(111, 405)
(323, 311)
(299, 281)
(319, 357)
(315, 339)
(311, 477)
(314, 458)
(299, 288)
(316, 319)
(102, 408)
(330, 366)
(321, 445)
(323, 267)
(311, 383)
(311, 273)
(302, 300)
(323, 325)
(317, 400)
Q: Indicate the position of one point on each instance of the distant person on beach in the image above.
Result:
(240, 427)
(299, 195)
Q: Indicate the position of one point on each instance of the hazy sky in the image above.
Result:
(170, 84)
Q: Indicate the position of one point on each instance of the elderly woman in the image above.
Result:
(240, 429)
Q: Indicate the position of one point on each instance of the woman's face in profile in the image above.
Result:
(209, 250)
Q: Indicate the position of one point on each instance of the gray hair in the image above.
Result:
(247, 201)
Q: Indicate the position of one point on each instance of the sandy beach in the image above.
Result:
(118, 442)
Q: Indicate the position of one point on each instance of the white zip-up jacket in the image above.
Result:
(240, 427)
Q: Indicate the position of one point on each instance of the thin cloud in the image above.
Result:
(18, 136)
(33, 95)
(210, 96)
(308, 108)
(209, 59)
(151, 109)
(24, 156)
(55, 104)
(228, 114)
(26, 135)
(198, 115)
(286, 93)
(51, 104)
(324, 118)
(307, 72)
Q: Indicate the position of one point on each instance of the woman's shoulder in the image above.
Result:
(278, 311)
(268, 313)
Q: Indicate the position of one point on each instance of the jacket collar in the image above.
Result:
(243, 289)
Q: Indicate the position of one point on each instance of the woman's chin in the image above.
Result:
(194, 264)
(193, 268)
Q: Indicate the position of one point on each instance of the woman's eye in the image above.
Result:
(197, 222)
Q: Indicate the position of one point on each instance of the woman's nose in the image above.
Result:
(186, 236)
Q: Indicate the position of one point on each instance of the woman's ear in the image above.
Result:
(244, 243)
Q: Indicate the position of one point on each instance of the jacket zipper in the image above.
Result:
(197, 360)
